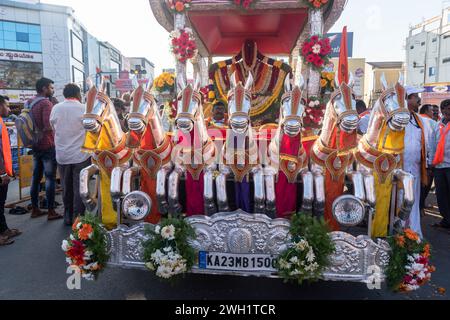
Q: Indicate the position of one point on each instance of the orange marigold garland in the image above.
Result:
(86, 248)
(316, 4)
(409, 267)
(178, 6)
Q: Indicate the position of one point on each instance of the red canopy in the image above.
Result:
(276, 31)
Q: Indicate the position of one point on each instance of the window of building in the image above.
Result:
(422, 44)
(77, 47)
(115, 67)
(446, 60)
(19, 75)
(412, 47)
(432, 71)
(78, 77)
(434, 40)
(20, 37)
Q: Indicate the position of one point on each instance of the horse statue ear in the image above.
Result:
(301, 82)
(233, 80)
(89, 83)
(336, 80)
(181, 83)
(149, 84)
(384, 82)
(351, 81)
(401, 79)
(249, 83)
(198, 84)
(103, 85)
(287, 84)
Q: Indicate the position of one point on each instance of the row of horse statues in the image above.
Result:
(194, 174)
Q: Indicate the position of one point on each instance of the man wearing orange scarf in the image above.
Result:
(415, 155)
(442, 165)
(6, 173)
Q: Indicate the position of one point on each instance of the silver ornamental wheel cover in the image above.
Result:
(242, 233)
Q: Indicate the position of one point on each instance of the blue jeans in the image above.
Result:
(44, 163)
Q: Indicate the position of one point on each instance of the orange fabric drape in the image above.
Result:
(6, 147)
(334, 189)
(440, 151)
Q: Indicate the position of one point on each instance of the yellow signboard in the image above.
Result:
(25, 171)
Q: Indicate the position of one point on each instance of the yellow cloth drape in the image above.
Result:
(381, 221)
(102, 142)
(109, 215)
(394, 141)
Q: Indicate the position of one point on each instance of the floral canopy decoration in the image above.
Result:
(167, 252)
(244, 4)
(165, 82)
(86, 247)
(316, 4)
(409, 267)
(310, 251)
(316, 51)
(183, 44)
(178, 6)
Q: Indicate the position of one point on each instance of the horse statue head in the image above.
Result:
(145, 119)
(390, 112)
(292, 109)
(101, 117)
(239, 105)
(143, 109)
(340, 113)
(190, 111)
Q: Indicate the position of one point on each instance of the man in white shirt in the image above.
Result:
(66, 120)
(415, 155)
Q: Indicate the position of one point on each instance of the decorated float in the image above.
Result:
(265, 194)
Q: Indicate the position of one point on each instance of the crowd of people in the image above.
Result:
(61, 135)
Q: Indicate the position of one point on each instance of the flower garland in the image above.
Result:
(170, 111)
(409, 266)
(178, 6)
(168, 252)
(315, 112)
(316, 51)
(309, 253)
(183, 44)
(165, 82)
(316, 4)
(86, 247)
(327, 81)
(244, 4)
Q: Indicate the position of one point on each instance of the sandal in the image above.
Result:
(5, 241)
(11, 233)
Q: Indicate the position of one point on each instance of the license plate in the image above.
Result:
(237, 262)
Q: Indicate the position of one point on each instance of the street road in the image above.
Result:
(35, 268)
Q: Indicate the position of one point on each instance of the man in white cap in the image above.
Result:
(415, 155)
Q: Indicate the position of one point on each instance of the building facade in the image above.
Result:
(39, 40)
(428, 51)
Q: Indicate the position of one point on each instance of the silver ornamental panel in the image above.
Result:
(355, 259)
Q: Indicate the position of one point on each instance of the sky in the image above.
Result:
(380, 26)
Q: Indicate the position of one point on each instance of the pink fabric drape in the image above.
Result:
(286, 193)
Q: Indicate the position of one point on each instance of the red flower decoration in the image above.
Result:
(245, 4)
(317, 4)
(183, 44)
(316, 51)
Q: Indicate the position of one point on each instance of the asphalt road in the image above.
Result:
(34, 268)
